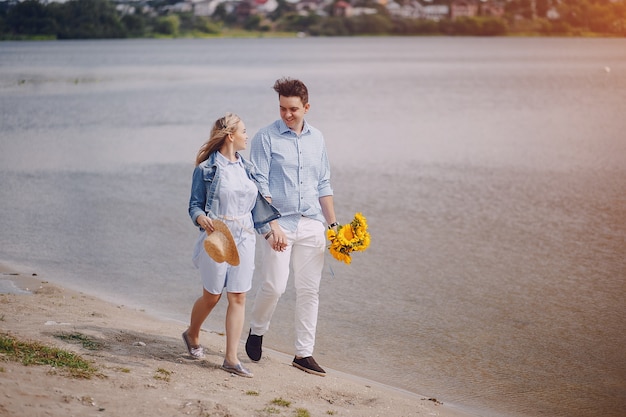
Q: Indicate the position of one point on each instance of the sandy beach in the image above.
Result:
(143, 368)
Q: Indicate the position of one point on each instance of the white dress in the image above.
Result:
(237, 196)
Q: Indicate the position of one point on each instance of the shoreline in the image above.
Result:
(145, 370)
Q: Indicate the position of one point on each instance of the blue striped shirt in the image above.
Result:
(292, 170)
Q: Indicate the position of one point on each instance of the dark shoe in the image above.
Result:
(253, 346)
(309, 365)
(237, 369)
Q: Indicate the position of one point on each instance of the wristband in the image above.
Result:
(270, 233)
(333, 224)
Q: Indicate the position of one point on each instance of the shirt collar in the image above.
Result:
(222, 160)
(283, 128)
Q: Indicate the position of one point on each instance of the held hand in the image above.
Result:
(281, 239)
(206, 223)
(272, 242)
(277, 239)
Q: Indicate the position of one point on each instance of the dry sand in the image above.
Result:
(145, 369)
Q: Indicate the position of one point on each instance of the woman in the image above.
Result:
(224, 187)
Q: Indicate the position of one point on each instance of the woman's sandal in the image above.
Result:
(237, 369)
(196, 352)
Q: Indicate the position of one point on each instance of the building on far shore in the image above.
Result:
(463, 8)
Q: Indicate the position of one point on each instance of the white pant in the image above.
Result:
(306, 251)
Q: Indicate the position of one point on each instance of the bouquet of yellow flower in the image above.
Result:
(351, 237)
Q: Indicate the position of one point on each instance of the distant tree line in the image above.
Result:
(94, 19)
(575, 17)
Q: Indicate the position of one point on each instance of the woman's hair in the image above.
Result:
(221, 129)
(288, 87)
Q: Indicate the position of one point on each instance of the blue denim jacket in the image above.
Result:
(204, 190)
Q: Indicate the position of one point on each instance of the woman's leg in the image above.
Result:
(235, 315)
(201, 310)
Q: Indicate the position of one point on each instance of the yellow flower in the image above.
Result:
(348, 238)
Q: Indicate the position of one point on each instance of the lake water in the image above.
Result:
(492, 173)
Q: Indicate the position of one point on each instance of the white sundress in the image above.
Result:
(237, 196)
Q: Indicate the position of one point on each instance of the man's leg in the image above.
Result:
(308, 263)
(274, 275)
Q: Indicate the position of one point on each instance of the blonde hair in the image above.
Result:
(222, 127)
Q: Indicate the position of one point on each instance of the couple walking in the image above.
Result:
(284, 194)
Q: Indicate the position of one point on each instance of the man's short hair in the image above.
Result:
(289, 87)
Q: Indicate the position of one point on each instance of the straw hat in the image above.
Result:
(220, 244)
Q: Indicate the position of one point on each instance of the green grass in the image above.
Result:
(34, 353)
(163, 374)
(279, 401)
(81, 339)
(302, 412)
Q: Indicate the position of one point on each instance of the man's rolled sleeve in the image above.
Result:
(324, 188)
(261, 156)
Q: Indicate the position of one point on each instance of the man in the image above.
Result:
(294, 175)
